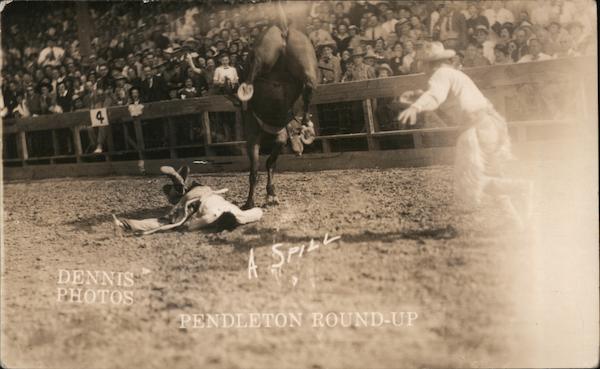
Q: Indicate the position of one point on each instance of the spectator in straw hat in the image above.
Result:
(484, 143)
(358, 70)
(329, 64)
(370, 58)
(383, 70)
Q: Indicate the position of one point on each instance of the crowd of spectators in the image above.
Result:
(178, 50)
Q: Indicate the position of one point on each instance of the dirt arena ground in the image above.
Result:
(402, 248)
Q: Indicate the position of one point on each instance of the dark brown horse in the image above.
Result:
(282, 67)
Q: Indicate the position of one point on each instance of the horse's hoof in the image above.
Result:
(272, 200)
(247, 206)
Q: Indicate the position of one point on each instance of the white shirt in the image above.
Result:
(389, 26)
(453, 92)
(59, 53)
(488, 50)
(223, 72)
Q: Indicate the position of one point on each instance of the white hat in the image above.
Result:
(435, 51)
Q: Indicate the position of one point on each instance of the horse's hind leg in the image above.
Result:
(302, 65)
(253, 153)
(279, 144)
(307, 93)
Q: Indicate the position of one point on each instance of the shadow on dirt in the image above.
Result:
(88, 222)
(266, 237)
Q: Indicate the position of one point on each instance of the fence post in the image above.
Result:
(22, 147)
(369, 124)
(54, 146)
(172, 135)
(207, 133)
(238, 125)
(77, 143)
(139, 137)
(110, 142)
(417, 140)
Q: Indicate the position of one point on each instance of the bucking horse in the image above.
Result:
(281, 67)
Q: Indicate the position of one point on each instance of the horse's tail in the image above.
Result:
(282, 21)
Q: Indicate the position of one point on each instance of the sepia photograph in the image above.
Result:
(299, 184)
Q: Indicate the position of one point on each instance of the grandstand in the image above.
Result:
(79, 57)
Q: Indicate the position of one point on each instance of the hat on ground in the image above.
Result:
(435, 51)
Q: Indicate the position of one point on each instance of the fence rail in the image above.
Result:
(503, 85)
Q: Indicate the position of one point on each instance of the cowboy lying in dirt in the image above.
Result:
(194, 206)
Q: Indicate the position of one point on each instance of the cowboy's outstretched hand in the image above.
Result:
(408, 115)
(410, 96)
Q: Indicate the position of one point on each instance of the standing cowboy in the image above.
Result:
(484, 143)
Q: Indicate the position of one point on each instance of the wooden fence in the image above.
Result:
(554, 88)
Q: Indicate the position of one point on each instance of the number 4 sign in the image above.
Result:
(99, 117)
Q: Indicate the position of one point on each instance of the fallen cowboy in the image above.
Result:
(194, 206)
